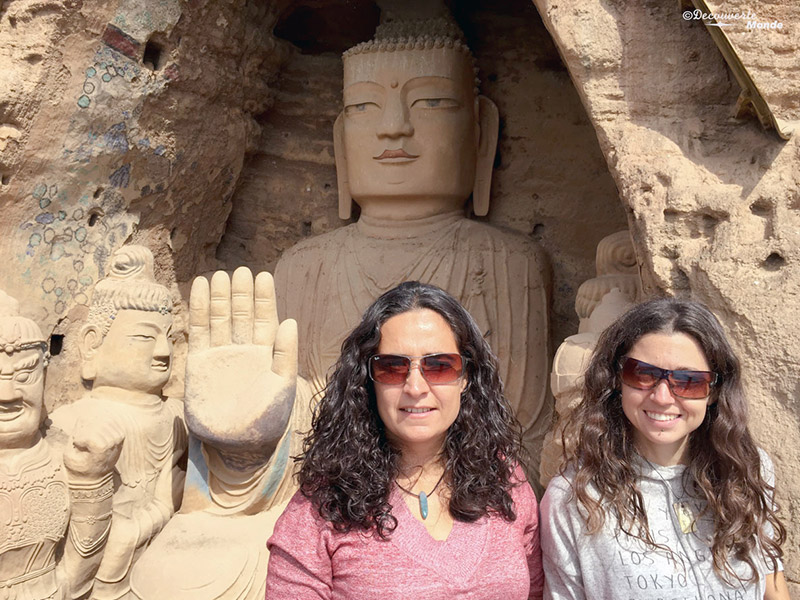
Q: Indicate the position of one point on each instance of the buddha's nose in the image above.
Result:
(395, 121)
(163, 347)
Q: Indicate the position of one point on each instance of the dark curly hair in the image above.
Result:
(349, 465)
(724, 465)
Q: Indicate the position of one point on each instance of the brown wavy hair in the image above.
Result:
(349, 465)
(724, 465)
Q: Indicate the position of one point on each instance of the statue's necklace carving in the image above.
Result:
(422, 496)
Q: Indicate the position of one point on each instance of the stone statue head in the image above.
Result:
(414, 127)
(125, 343)
(22, 362)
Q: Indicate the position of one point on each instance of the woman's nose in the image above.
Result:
(415, 384)
(662, 393)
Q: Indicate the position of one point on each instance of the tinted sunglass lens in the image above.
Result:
(692, 385)
(639, 375)
(389, 369)
(441, 368)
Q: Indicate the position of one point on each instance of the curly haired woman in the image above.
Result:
(667, 495)
(410, 484)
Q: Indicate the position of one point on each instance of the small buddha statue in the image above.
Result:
(55, 499)
(414, 141)
(599, 302)
(127, 359)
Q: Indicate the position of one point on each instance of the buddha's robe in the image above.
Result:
(145, 477)
(326, 282)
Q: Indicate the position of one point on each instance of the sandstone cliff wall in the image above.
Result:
(712, 200)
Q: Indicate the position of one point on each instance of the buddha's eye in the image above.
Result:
(359, 108)
(435, 103)
(142, 337)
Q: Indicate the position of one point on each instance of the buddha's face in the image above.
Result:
(410, 125)
(21, 397)
(136, 353)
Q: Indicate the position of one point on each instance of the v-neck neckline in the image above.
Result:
(447, 557)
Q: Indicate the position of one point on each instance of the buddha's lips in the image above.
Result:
(399, 153)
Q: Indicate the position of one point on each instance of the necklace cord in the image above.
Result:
(410, 493)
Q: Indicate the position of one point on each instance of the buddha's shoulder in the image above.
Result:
(481, 233)
(323, 242)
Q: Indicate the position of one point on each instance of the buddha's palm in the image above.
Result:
(241, 370)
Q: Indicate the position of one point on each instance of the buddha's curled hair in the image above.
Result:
(130, 284)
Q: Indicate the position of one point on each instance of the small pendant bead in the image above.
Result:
(423, 504)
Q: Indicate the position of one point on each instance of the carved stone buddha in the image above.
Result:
(413, 142)
(127, 357)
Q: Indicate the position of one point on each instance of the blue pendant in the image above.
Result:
(423, 504)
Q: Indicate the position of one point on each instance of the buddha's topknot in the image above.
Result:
(130, 284)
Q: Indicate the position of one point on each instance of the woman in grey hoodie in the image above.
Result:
(666, 496)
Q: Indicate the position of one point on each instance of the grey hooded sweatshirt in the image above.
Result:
(611, 565)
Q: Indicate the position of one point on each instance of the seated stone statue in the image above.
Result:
(413, 141)
(55, 510)
(127, 357)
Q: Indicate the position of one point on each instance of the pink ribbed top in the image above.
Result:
(489, 559)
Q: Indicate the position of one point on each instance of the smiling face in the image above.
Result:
(410, 126)
(662, 422)
(21, 397)
(136, 353)
(417, 414)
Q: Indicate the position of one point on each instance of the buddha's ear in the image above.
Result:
(489, 127)
(339, 156)
(90, 339)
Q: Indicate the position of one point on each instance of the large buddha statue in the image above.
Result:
(55, 498)
(127, 359)
(412, 143)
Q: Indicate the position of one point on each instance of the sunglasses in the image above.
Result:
(393, 369)
(690, 385)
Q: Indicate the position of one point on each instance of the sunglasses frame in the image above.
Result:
(666, 375)
(418, 360)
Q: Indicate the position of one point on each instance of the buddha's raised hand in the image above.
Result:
(241, 370)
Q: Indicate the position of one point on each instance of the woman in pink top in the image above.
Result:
(410, 485)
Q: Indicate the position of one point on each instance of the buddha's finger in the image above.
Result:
(198, 315)
(242, 306)
(220, 309)
(284, 355)
(266, 312)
